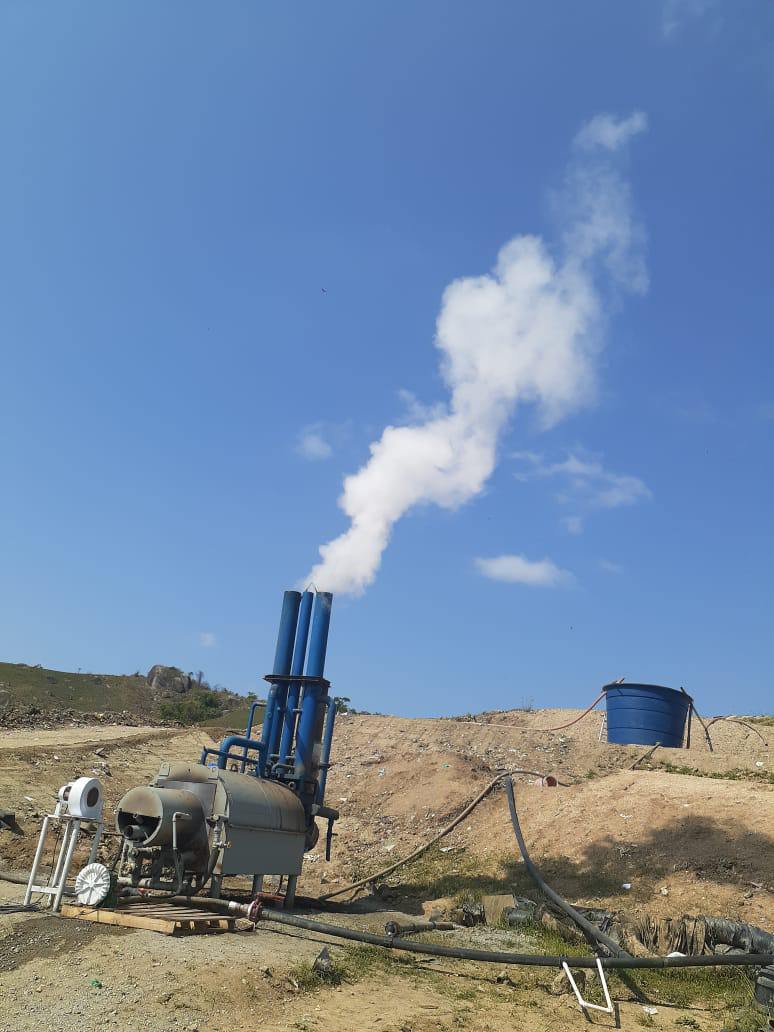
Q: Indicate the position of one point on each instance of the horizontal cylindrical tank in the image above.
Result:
(146, 814)
(646, 714)
(260, 824)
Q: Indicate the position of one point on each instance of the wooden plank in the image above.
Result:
(171, 914)
(160, 917)
(163, 905)
(119, 917)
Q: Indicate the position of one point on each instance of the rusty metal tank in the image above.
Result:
(260, 825)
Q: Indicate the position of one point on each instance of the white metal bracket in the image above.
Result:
(585, 1005)
(70, 827)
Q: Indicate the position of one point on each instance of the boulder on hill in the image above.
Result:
(169, 680)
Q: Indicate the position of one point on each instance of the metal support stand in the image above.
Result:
(584, 1004)
(290, 892)
(55, 885)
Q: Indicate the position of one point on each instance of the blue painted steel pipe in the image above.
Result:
(218, 752)
(296, 668)
(249, 729)
(282, 659)
(254, 707)
(234, 740)
(310, 720)
(268, 713)
(325, 756)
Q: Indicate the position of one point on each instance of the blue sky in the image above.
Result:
(226, 236)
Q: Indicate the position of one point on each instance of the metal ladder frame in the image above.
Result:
(55, 885)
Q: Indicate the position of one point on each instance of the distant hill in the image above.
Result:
(165, 693)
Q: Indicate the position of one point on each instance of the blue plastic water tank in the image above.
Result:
(646, 714)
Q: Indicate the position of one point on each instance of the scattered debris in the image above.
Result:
(323, 964)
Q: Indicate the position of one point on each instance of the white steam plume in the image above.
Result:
(529, 331)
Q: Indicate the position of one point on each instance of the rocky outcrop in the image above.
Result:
(168, 680)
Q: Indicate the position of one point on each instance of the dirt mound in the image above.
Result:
(683, 841)
(698, 842)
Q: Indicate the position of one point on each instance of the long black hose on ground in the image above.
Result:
(592, 933)
(522, 959)
(15, 877)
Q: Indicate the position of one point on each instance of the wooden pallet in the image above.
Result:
(167, 918)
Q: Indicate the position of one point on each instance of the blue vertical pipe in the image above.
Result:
(254, 707)
(296, 668)
(249, 730)
(313, 693)
(282, 659)
(268, 713)
(325, 756)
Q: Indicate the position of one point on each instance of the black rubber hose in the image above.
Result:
(15, 877)
(23, 877)
(523, 959)
(739, 935)
(592, 933)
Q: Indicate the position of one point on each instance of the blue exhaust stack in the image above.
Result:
(295, 744)
(294, 689)
(277, 697)
(297, 732)
(310, 722)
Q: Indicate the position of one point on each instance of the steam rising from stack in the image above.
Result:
(528, 331)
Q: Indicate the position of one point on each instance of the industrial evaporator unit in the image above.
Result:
(249, 806)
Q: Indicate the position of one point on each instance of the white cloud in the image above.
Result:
(573, 524)
(586, 480)
(529, 331)
(208, 639)
(516, 569)
(416, 411)
(312, 444)
(612, 133)
(609, 567)
(676, 13)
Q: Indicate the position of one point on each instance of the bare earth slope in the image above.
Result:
(685, 842)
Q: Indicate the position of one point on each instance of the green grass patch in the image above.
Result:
(463, 877)
(723, 991)
(35, 688)
(737, 774)
(685, 987)
(352, 964)
(38, 686)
